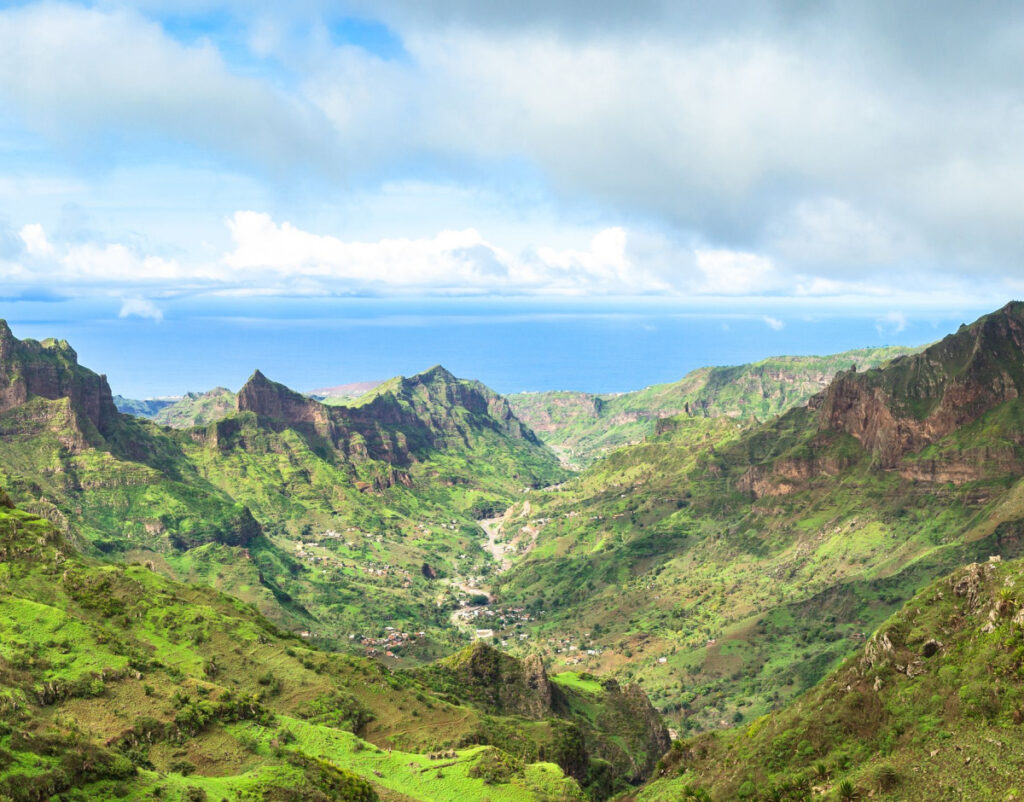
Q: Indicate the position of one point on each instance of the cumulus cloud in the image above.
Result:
(736, 272)
(96, 80)
(36, 243)
(449, 261)
(891, 323)
(268, 257)
(820, 138)
(773, 323)
(140, 307)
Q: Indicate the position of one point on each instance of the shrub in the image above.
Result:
(886, 777)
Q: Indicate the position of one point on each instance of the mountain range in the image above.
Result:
(413, 592)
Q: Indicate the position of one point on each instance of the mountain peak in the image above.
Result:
(436, 372)
(914, 400)
(272, 399)
(50, 369)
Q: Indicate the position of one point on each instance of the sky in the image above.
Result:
(593, 195)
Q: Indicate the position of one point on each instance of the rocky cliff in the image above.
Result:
(916, 400)
(584, 426)
(280, 407)
(398, 422)
(50, 370)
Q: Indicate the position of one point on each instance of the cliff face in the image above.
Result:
(500, 683)
(50, 370)
(405, 416)
(281, 407)
(446, 408)
(916, 400)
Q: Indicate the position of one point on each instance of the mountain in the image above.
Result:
(143, 408)
(930, 707)
(729, 567)
(584, 426)
(184, 412)
(50, 370)
(339, 522)
(197, 409)
(117, 682)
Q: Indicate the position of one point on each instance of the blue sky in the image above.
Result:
(833, 175)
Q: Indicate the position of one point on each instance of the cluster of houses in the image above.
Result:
(495, 618)
(393, 641)
(575, 655)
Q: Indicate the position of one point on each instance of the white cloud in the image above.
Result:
(891, 323)
(35, 241)
(774, 323)
(94, 81)
(815, 138)
(267, 257)
(736, 273)
(451, 260)
(140, 307)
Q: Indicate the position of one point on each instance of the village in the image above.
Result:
(393, 641)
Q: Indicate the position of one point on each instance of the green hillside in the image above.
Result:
(729, 568)
(197, 409)
(142, 408)
(191, 409)
(339, 522)
(117, 683)
(583, 426)
(929, 708)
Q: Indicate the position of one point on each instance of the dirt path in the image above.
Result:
(501, 551)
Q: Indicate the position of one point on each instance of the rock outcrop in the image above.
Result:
(50, 370)
(500, 683)
(281, 407)
(400, 421)
(916, 400)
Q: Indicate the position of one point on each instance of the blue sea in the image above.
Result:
(512, 345)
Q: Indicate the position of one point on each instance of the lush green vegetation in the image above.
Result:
(116, 682)
(197, 409)
(142, 408)
(729, 568)
(339, 533)
(583, 427)
(720, 568)
(930, 708)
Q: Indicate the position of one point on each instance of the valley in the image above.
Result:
(312, 592)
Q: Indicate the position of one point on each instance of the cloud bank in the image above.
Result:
(711, 149)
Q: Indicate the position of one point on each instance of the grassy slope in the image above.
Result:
(584, 426)
(197, 409)
(115, 681)
(192, 409)
(724, 607)
(929, 709)
(344, 545)
(141, 408)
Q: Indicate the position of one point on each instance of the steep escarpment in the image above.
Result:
(255, 502)
(400, 421)
(445, 408)
(921, 398)
(50, 370)
(597, 729)
(695, 558)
